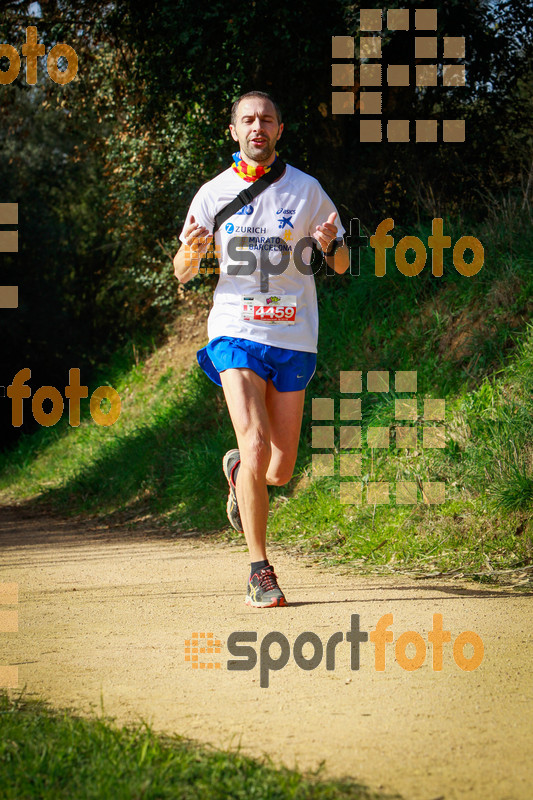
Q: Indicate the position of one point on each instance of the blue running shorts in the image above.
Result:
(289, 370)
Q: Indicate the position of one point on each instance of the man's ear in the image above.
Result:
(233, 134)
(280, 131)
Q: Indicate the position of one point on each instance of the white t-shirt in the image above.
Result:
(283, 214)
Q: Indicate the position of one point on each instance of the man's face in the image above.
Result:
(257, 130)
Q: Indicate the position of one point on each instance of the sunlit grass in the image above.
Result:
(55, 755)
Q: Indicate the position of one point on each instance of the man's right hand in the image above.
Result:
(187, 259)
(197, 237)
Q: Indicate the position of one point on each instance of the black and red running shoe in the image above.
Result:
(263, 590)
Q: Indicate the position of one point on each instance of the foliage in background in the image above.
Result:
(104, 168)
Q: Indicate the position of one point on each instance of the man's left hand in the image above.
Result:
(326, 233)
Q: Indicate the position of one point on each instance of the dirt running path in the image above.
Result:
(105, 612)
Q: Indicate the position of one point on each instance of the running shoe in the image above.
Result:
(230, 461)
(263, 590)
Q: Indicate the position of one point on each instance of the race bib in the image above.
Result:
(273, 309)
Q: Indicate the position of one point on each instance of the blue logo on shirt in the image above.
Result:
(246, 210)
(286, 216)
(230, 227)
(285, 222)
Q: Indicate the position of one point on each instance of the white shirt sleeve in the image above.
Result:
(322, 207)
(201, 210)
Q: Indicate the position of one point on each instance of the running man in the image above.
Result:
(263, 327)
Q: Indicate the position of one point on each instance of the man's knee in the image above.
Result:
(255, 451)
(279, 476)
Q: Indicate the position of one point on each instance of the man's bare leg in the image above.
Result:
(267, 424)
(245, 394)
(285, 411)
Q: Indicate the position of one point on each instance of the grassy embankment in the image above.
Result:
(468, 340)
(50, 755)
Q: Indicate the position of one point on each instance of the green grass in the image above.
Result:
(487, 466)
(470, 343)
(145, 457)
(49, 755)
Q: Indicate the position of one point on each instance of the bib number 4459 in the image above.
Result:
(274, 312)
(273, 309)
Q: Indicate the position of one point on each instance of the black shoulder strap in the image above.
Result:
(247, 195)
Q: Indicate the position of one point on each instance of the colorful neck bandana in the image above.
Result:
(246, 172)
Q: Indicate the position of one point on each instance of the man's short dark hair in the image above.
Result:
(264, 95)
